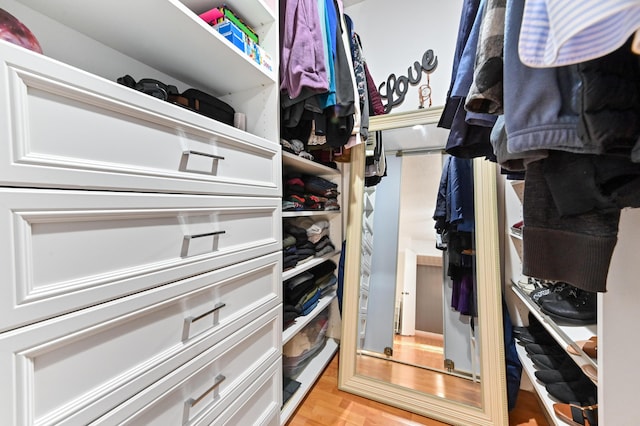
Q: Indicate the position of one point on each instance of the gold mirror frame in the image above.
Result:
(489, 296)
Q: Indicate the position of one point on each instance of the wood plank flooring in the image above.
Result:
(325, 405)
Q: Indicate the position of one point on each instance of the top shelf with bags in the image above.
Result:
(168, 35)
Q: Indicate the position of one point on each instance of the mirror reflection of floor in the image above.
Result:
(424, 350)
(417, 363)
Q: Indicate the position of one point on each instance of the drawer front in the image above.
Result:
(93, 360)
(211, 385)
(259, 405)
(65, 250)
(74, 130)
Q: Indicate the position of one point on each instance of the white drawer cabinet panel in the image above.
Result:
(67, 128)
(223, 379)
(259, 405)
(90, 361)
(63, 250)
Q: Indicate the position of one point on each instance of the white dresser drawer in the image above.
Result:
(65, 250)
(93, 360)
(244, 368)
(71, 129)
(259, 405)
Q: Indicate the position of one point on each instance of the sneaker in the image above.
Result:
(550, 291)
(516, 228)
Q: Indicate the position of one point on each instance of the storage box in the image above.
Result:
(232, 33)
(265, 59)
(213, 16)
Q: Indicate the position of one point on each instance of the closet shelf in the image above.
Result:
(301, 321)
(529, 368)
(308, 377)
(564, 335)
(144, 32)
(290, 273)
(294, 163)
(297, 213)
(514, 235)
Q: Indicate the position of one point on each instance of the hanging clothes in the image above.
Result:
(470, 132)
(455, 223)
(560, 32)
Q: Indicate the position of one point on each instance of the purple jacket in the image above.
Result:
(302, 62)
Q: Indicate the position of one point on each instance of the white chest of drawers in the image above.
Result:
(140, 259)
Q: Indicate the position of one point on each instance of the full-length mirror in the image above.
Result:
(422, 323)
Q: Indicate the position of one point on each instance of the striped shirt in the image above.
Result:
(564, 32)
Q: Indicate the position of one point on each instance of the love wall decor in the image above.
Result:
(395, 88)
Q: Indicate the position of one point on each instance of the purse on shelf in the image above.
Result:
(192, 99)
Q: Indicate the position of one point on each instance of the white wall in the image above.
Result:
(418, 195)
(396, 34)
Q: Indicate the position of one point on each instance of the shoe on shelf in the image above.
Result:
(589, 347)
(582, 391)
(516, 228)
(527, 284)
(578, 307)
(576, 414)
(551, 292)
(551, 362)
(591, 372)
(542, 338)
(538, 349)
(568, 372)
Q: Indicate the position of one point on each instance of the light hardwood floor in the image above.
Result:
(325, 405)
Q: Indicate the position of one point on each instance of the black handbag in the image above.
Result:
(193, 99)
(151, 87)
(205, 104)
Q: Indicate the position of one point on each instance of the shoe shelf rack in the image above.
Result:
(565, 335)
(528, 368)
(521, 302)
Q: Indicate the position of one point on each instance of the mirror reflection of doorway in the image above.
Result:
(407, 314)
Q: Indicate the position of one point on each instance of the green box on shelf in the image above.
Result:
(228, 14)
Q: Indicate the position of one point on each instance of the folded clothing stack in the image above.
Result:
(303, 239)
(303, 292)
(306, 192)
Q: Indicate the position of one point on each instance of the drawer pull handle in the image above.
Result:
(216, 308)
(208, 234)
(191, 402)
(187, 240)
(190, 320)
(204, 154)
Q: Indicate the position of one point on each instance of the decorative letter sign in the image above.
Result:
(396, 88)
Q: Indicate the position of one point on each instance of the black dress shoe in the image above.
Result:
(578, 307)
(582, 391)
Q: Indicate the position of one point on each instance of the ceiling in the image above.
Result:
(348, 3)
